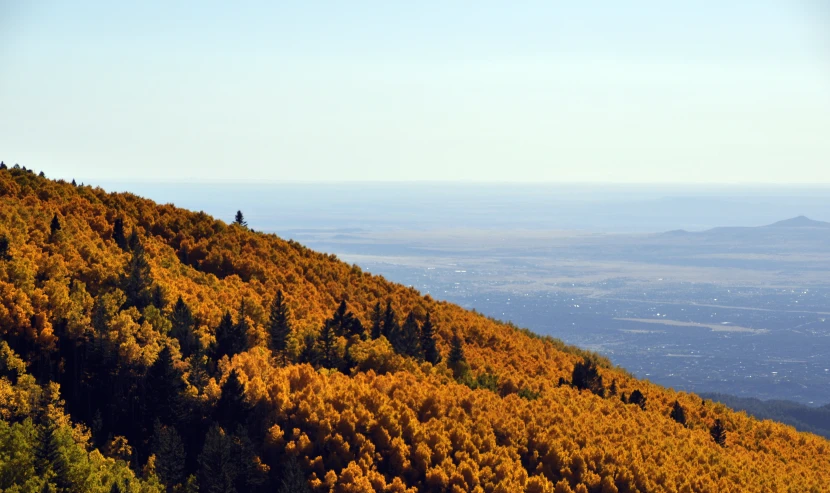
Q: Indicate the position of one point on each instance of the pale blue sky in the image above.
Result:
(593, 91)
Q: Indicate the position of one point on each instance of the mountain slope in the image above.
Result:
(159, 340)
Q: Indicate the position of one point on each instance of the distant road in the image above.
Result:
(691, 303)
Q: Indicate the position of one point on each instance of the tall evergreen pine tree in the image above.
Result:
(345, 323)
(165, 386)
(4, 248)
(585, 376)
(232, 409)
(456, 350)
(292, 478)
(637, 398)
(170, 455)
(239, 219)
(118, 234)
(390, 328)
(718, 433)
(309, 354)
(279, 328)
(229, 340)
(183, 325)
(678, 413)
(55, 225)
(327, 343)
(136, 281)
(409, 342)
(49, 456)
(428, 346)
(377, 321)
(216, 468)
(242, 327)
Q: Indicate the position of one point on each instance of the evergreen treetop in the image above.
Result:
(118, 233)
(637, 398)
(136, 281)
(678, 413)
(183, 325)
(377, 321)
(585, 376)
(4, 248)
(718, 433)
(279, 328)
(390, 327)
(409, 341)
(239, 219)
(428, 346)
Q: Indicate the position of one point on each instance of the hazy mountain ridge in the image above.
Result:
(789, 225)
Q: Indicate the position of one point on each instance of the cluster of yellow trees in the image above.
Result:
(393, 423)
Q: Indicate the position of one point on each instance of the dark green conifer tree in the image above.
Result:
(133, 241)
(229, 340)
(279, 328)
(4, 248)
(409, 341)
(428, 346)
(309, 353)
(456, 350)
(348, 362)
(718, 433)
(170, 455)
(49, 456)
(165, 386)
(239, 219)
(390, 328)
(242, 327)
(198, 375)
(377, 321)
(344, 323)
(54, 227)
(247, 475)
(232, 408)
(157, 298)
(216, 464)
(612, 390)
(292, 478)
(118, 234)
(637, 398)
(678, 413)
(456, 360)
(183, 328)
(136, 281)
(328, 347)
(586, 376)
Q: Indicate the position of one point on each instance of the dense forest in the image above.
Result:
(148, 348)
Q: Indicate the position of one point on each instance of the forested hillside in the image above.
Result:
(150, 348)
(806, 418)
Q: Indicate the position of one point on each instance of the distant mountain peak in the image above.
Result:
(800, 222)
